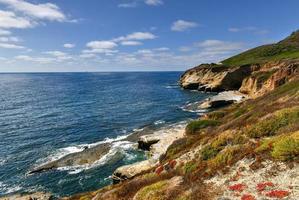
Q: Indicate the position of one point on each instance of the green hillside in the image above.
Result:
(285, 49)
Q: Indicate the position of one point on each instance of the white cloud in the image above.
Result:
(10, 20)
(182, 25)
(153, 2)
(10, 46)
(88, 55)
(219, 46)
(101, 44)
(40, 60)
(252, 29)
(136, 36)
(9, 39)
(162, 49)
(69, 46)
(56, 53)
(131, 43)
(59, 55)
(48, 11)
(185, 49)
(4, 32)
(128, 5)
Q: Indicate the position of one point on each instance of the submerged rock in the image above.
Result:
(85, 157)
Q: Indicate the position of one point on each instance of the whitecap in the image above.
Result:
(159, 122)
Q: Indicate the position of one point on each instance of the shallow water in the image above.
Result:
(45, 116)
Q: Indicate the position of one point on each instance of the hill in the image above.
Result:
(285, 49)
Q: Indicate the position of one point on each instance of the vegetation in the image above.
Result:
(152, 192)
(271, 126)
(195, 126)
(286, 49)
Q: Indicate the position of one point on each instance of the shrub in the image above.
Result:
(190, 167)
(277, 194)
(237, 187)
(286, 149)
(194, 126)
(269, 127)
(223, 158)
(216, 115)
(151, 192)
(283, 147)
(208, 152)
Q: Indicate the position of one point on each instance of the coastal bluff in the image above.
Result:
(253, 80)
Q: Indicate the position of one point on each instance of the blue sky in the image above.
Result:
(135, 35)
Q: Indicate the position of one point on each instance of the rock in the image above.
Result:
(269, 77)
(157, 144)
(34, 196)
(129, 171)
(87, 156)
(215, 78)
(223, 99)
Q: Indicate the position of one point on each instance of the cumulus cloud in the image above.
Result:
(108, 46)
(9, 20)
(131, 43)
(48, 11)
(101, 44)
(136, 36)
(69, 46)
(59, 55)
(182, 25)
(153, 2)
(10, 46)
(4, 32)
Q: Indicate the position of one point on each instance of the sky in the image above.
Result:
(135, 35)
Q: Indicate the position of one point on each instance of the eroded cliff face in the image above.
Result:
(215, 78)
(269, 77)
(254, 80)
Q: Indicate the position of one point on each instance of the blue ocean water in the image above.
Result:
(44, 116)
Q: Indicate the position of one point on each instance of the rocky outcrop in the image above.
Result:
(34, 196)
(253, 80)
(87, 156)
(270, 76)
(223, 99)
(157, 145)
(215, 78)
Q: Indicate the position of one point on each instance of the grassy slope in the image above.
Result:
(285, 49)
(242, 130)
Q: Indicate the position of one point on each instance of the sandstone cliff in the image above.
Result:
(254, 80)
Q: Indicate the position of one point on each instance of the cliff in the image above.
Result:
(254, 72)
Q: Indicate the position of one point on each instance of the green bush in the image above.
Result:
(216, 115)
(208, 152)
(286, 149)
(190, 167)
(152, 192)
(271, 126)
(223, 158)
(194, 126)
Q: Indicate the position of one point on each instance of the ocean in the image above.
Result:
(44, 116)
